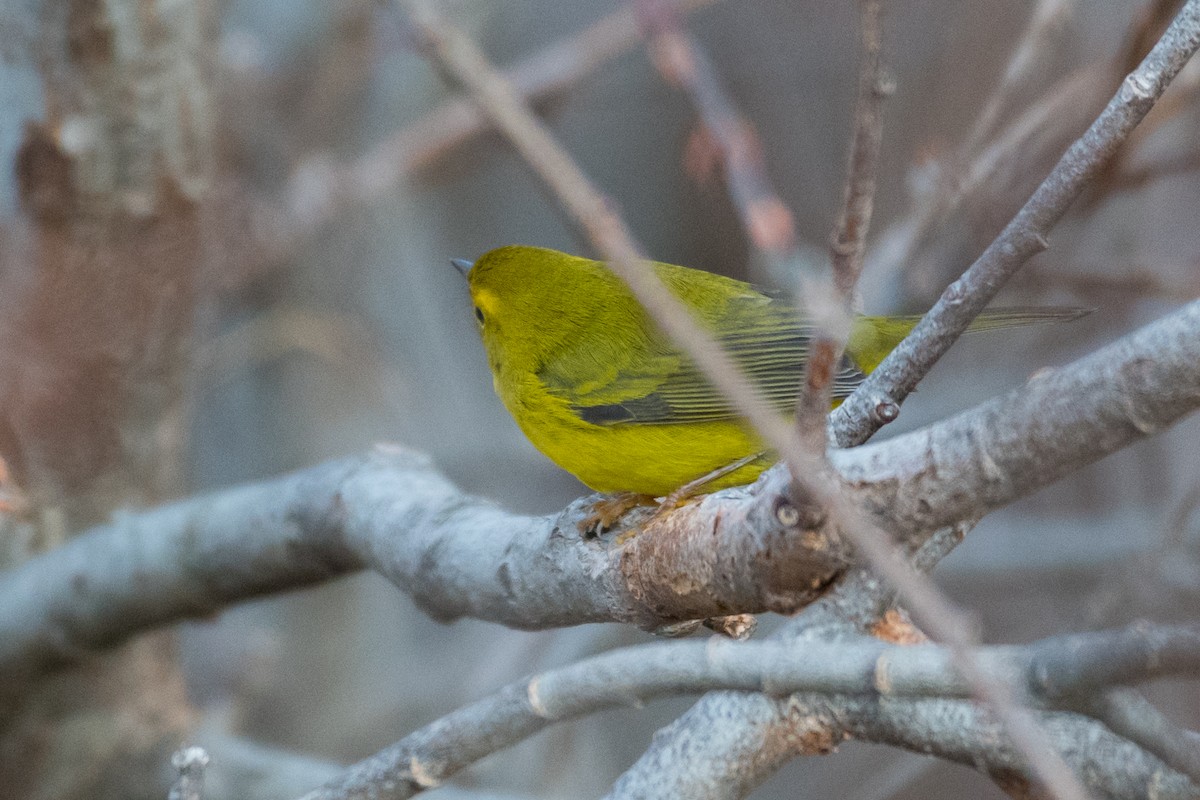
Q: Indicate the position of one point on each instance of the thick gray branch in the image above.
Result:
(390, 510)
(1061, 420)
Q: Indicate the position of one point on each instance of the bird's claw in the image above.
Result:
(607, 510)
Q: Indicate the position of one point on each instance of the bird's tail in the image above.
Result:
(874, 337)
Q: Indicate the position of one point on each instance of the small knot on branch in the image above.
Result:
(885, 411)
(803, 516)
(787, 514)
(1137, 86)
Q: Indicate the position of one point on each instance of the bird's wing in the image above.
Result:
(656, 384)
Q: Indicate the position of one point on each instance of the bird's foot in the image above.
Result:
(607, 510)
(739, 627)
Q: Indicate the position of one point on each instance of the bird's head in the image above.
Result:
(528, 300)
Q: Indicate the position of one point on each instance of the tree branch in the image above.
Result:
(1061, 420)
(680, 59)
(1128, 714)
(965, 733)
(1024, 236)
(1036, 41)
(849, 240)
(456, 555)
(863, 666)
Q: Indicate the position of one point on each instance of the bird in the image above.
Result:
(599, 389)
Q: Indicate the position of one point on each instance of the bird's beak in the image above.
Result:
(462, 265)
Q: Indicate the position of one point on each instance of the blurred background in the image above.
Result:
(336, 178)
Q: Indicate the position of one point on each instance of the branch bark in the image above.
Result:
(390, 510)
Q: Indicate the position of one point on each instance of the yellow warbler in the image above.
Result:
(599, 389)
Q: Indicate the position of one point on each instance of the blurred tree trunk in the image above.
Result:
(96, 321)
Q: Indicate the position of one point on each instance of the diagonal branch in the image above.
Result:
(1126, 713)
(849, 240)
(766, 219)
(965, 733)
(1035, 43)
(1025, 235)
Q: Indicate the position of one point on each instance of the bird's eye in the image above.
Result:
(479, 314)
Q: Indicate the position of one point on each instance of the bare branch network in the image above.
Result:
(744, 550)
(857, 679)
(458, 556)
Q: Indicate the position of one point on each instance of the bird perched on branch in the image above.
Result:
(601, 391)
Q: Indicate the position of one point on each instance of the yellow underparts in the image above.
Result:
(643, 459)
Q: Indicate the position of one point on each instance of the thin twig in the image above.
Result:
(848, 240)
(1024, 236)
(1131, 284)
(320, 189)
(954, 185)
(681, 60)
(1146, 29)
(1048, 16)
(1138, 177)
